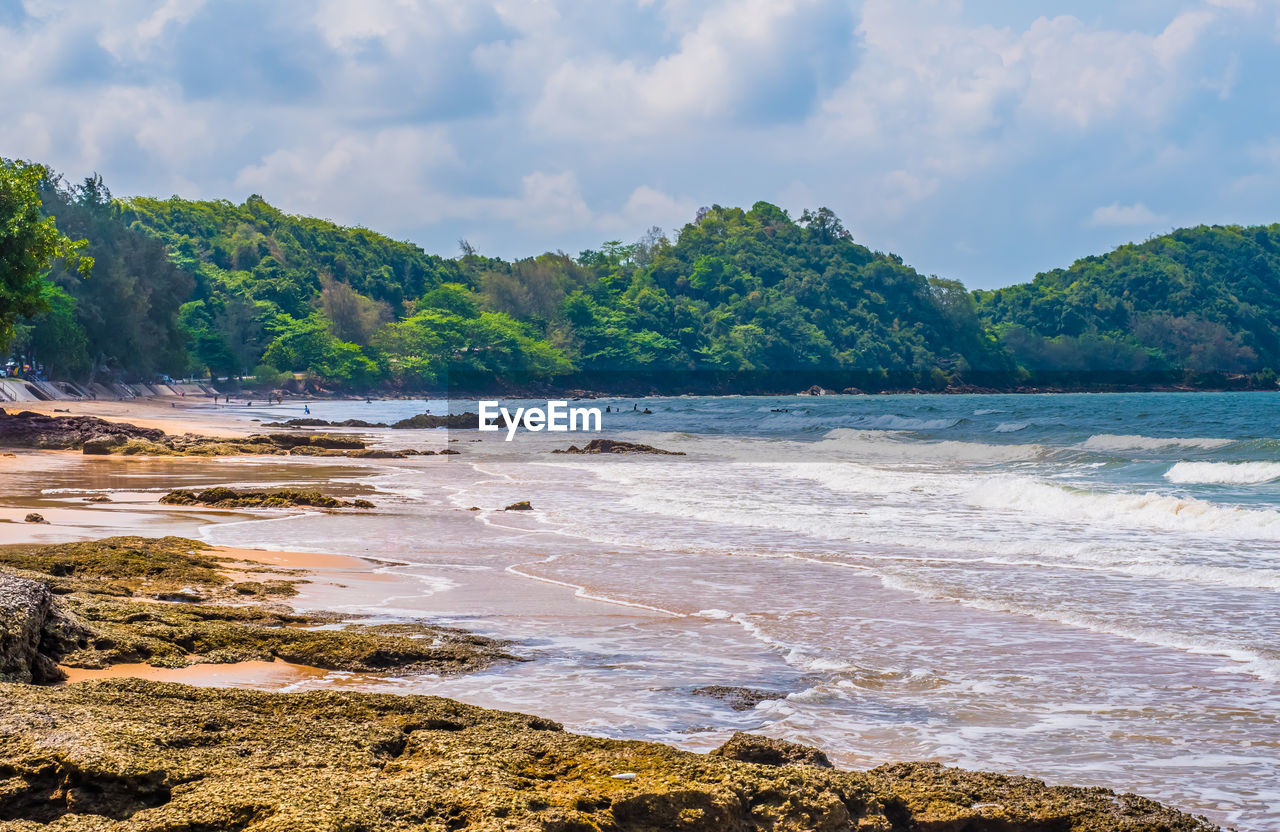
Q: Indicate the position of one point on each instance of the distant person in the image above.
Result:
(635, 407)
(306, 408)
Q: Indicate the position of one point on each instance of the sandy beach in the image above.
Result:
(632, 623)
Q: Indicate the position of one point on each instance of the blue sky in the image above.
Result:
(983, 140)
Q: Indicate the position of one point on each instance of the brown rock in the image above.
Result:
(766, 751)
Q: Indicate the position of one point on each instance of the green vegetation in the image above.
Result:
(1194, 304)
(738, 300)
(30, 242)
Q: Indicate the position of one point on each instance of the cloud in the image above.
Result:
(1116, 214)
(533, 126)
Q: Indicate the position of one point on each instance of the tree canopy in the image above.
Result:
(738, 300)
(30, 243)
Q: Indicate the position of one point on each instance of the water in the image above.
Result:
(1081, 587)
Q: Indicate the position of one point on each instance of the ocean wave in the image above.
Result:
(1224, 473)
(986, 412)
(1133, 442)
(891, 421)
(1125, 508)
(886, 446)
(1011, 427)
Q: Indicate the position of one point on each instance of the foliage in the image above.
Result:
(1198, 301)
(129, 310)
(30, 243)
(737, 300)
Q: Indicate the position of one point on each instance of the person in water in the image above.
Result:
(306, 408)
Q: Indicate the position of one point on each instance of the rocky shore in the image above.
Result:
(134, 755)
(94, 436)
(167, 602)
(128, 754)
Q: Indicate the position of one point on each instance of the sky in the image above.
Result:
(984, 141)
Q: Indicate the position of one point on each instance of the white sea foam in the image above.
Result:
(884, 446)
(1124, 508)
(1011, 427)
(1250, 660)
(1133, 442)
(890, 421)
(1226, 473)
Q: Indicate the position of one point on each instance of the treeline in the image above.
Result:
(737, 300)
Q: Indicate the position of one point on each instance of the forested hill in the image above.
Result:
(735, 301)
(1193, 305)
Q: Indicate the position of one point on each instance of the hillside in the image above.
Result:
(1195, 303)
(736, 301)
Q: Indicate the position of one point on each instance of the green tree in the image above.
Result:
(30, 244)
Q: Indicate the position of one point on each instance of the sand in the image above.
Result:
(171, 414)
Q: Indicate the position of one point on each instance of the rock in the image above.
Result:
(35, 518)
(766, 751)
(34, 632)
(523, 505)
(102, 444)
(454, 421)
(322, 423)
(96, 584)
(614, 446)
(738, 698)
(852, 391)
(815, 390)
(36, 430)
(98, 498)
(279, 498)
(449, 452)
(132, 755)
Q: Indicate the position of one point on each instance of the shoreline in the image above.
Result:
(337, 580)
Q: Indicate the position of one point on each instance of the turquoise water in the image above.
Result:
(1084, 587)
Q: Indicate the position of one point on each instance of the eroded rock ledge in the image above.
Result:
(168, 602)
(95, 436)
(133, 755)
(615, 446)
(277, 498)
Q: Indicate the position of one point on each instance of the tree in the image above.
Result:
(29, 244)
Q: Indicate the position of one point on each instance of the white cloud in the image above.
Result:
(1116, 214)
(555, 124)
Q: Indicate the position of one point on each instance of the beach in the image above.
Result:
(822, 579)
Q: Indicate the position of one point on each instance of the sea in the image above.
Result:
(1082, 588)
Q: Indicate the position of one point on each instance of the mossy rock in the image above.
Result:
(134, 755)
(119, 565)
(279, 498)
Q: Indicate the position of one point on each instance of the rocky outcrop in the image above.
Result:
(279, 498)
(454, 421)
(34, 632)
(159, 757)
(739, 698)
(523, 505)
(36, 430)
(109, 588)
(614, 446)
(767, 751)
(98, 437)
(324, 423)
